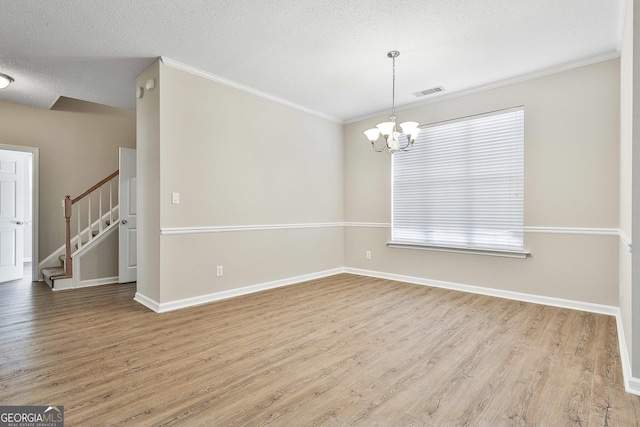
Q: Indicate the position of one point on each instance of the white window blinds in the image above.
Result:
(461, 186)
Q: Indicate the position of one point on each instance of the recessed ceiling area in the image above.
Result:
(327, 56)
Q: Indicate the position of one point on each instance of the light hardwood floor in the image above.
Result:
(340, 351)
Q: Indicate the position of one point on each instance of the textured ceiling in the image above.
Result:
(328, 56)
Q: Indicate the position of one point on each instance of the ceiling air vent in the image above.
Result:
(431, 91)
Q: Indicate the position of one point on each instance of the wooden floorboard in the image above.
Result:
(340, 351)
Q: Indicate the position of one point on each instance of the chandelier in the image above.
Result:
(389, 130)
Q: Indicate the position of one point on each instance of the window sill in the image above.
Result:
(498, 253)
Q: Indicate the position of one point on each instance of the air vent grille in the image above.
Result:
(431, 91)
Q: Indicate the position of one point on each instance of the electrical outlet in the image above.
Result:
(219, 271)
(368, 255)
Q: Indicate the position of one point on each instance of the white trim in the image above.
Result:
(465, 92)
(35, 200)
(625, 239)
(96, 282)
(368, 224)
(201, 73)
(573, 230)
(517, 296)
(147, 302)
(631, 384)
(217, 296)
(232, 228)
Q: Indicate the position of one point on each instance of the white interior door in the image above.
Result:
(12, 182)
(128, 233)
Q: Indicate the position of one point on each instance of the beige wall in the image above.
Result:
(77, 149)
(237, 160)
(101, 262)
(148, 181)
(572, 172)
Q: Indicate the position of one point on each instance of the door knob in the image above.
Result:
(19, 222)
(124, 221)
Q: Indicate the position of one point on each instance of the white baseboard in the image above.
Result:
(631, 384)
(97, 282)
(217, 296)
(147, 302)
(518, 296)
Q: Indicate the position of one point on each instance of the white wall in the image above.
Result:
(572, 173)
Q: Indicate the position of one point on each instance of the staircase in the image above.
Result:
(91, 224)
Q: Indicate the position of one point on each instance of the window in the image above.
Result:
(461, 186)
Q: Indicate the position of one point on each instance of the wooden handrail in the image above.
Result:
(68, 203)
(95, 187)
(67, 236)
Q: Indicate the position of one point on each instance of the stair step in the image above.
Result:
(50, 272)
(61, 258)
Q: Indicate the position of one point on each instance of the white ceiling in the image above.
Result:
(328, 56)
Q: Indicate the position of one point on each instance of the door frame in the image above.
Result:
(125, 153)
(35, 199)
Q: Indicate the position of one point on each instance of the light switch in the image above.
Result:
(175, 198)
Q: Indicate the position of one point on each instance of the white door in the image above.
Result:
(127, 196)
(12, 182)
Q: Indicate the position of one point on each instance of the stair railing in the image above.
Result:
(95, 191)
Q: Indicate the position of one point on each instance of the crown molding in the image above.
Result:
(209, 76)
(497, 84)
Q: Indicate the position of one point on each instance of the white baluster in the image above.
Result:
(110, 203)
(89, 216)
(79, 228)
(100, 211)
